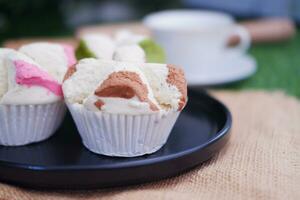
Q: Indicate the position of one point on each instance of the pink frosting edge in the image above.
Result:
(69, 52)
(30, 75)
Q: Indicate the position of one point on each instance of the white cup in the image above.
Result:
(195, 39)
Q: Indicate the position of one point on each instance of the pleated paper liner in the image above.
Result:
(120, 134)
(25, 124)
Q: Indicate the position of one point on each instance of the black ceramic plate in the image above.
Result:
(63, 162)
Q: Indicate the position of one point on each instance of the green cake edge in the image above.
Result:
(154, 52)
(83, 51)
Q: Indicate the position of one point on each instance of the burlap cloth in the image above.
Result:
(261, 160)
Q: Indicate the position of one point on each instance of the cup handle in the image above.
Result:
(244, 39)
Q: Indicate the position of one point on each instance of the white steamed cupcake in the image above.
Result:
(122, 108)
(31, 98)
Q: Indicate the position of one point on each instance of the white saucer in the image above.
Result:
(223, 71)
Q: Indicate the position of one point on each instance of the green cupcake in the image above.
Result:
(83, 51)
(95, 46)
(154, 53)
(125, 46)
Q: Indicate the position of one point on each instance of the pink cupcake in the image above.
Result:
(31, 98)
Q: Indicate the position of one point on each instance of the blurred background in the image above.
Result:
(20, 18)
(278, 61)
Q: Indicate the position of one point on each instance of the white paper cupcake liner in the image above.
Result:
(24, 124)
(120, 134)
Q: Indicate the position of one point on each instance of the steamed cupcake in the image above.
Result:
(122, 108)
(31, 104)
(124, 46)
(95, 46)
(152, 51)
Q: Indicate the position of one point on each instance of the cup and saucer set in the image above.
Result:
(198, 41)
